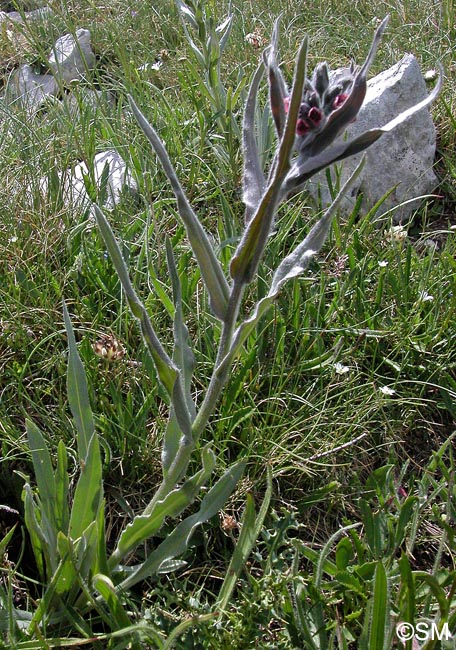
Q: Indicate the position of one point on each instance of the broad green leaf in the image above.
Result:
(86, 550)
(380, 625)
(106, 589)
(326, 550)
(211, 270)
(172, 440)
(88, 496)
(407, 511)
(250, 530)
(101, 563)
(437, 590)
(344, 553)
(61, 489)
(66, 575)
(407, 602)
(177, 542)
(44, 474)
(6, 540)
(78, 394)
(37, 539)
(144, 526)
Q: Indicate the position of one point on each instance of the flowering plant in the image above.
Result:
(69, 542)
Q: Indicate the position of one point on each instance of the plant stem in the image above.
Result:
(219, 377)
(216, 384)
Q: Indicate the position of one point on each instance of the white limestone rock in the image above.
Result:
(119, 180)
(402, 159)
(29, 16)
(29, 89)
(72, 57)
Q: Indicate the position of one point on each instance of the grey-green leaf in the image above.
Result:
(177, 541)
(146, 525)
(211, 270)
(88, 495)
(167, 370)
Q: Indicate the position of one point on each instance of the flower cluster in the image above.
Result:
(323, 94)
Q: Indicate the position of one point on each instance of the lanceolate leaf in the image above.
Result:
(379, 630)
(292, 266)
(147, 525)
(167, 370)
(177, 541)
(78, 394)
(44, 472)
(250, 530)
(211, 271)
(277, 87)
(253, 178)
(246, 258)
(88, 495)
(183, 353)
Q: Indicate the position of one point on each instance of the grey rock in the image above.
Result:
(83, 100)
(29, 16)
(402, 159)
(119, 180)
(30, 89)
(72, 57)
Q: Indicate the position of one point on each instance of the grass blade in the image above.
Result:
(250, 530)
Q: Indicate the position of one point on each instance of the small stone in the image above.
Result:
(85, 99)
(72, 57)
(30, 16)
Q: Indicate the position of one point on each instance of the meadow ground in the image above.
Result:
(346, 390)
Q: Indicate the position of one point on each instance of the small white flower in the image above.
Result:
(13, 239)
(430, 75)
(386, 390)
(340, 369)
(426, 297)
(383, 263)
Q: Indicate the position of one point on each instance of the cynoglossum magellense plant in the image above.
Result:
(69, 542)
(308, 119)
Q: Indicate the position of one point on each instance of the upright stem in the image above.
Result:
(218, 379)
(216, 384)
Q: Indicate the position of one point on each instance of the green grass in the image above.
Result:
(374, 313)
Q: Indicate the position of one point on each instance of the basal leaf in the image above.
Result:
(177, 541)
(88, 495)
(146, 525)
(250, 530)
(78, 395)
